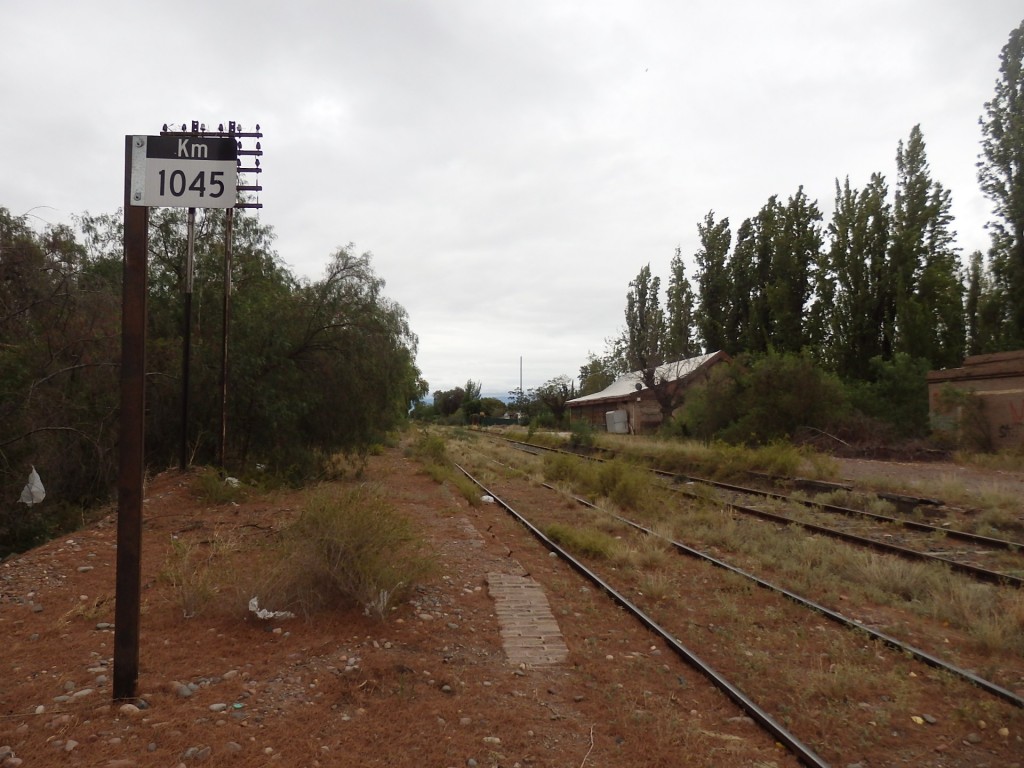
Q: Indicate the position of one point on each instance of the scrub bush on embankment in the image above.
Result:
(348, 547)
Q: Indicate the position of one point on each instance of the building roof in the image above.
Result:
(626, 385)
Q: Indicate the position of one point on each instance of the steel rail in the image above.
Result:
(977, 572)
(802, 752)
(951, 533)
(889, 640)
(982, 574)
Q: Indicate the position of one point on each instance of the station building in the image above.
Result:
(628, 406)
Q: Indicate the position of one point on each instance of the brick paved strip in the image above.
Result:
(529, 632)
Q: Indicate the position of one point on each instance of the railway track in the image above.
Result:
(670, 630)
(961, 551)
(761, 717)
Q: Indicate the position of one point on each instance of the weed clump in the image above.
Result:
(190, 573)
(582, 541)
(347, 548)
(214, 489)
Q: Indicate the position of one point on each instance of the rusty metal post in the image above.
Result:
(132, 440)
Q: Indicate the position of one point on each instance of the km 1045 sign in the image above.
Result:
(184, 172)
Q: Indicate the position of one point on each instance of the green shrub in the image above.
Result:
(469, 490)
(561, 468)
(582, 435)
(582, 541)
(430, 448)
(625, 484)
(347, 547)
(214, 489)
(897, 394)
(23, 527)
(757, 400)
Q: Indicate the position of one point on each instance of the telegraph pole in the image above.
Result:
(233, 131)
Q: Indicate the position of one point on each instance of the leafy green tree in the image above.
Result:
(554, 394)
(758, 399)
(316, 367)
(644, 335)
(472, 404)
(680, 341)
(984, 307)
(713, 282)
(854, 279)
(772, 271)
(59, 332)
(644, 340)
(795, 251)
(928, 288)
(596, 374)
(493, 407)
(741, 326)
(448, 401)
(1001, 175)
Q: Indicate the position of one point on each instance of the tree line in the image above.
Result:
(864, 304)
(315, 366)
(876, 294)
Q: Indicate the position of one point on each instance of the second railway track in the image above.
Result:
(765, 636)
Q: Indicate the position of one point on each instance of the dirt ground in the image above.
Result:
(930, 477)
(430, 686)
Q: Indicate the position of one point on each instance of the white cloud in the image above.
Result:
(510, 165)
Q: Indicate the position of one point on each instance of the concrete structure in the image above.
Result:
(982, 403)
(628, 394)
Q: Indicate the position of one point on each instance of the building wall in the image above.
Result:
(997, 382)
(643, 413)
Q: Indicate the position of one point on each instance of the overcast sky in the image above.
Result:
(511, 165)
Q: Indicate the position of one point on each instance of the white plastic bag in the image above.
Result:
(263, 613)
(33, 492)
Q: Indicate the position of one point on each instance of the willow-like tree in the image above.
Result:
(554, 394)
(1001, 176)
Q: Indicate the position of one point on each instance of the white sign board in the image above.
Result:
(184, 171)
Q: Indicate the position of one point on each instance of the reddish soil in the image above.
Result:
(429, 686)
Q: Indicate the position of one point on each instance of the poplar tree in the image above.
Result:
(679, 332)
(855, 278)
(1001, 176)
(740, 333)
(713, 282)
(795, 252)
(771, 272)
(928, 289)
(644, 335)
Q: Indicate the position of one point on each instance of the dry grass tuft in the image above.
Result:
(347, 547)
